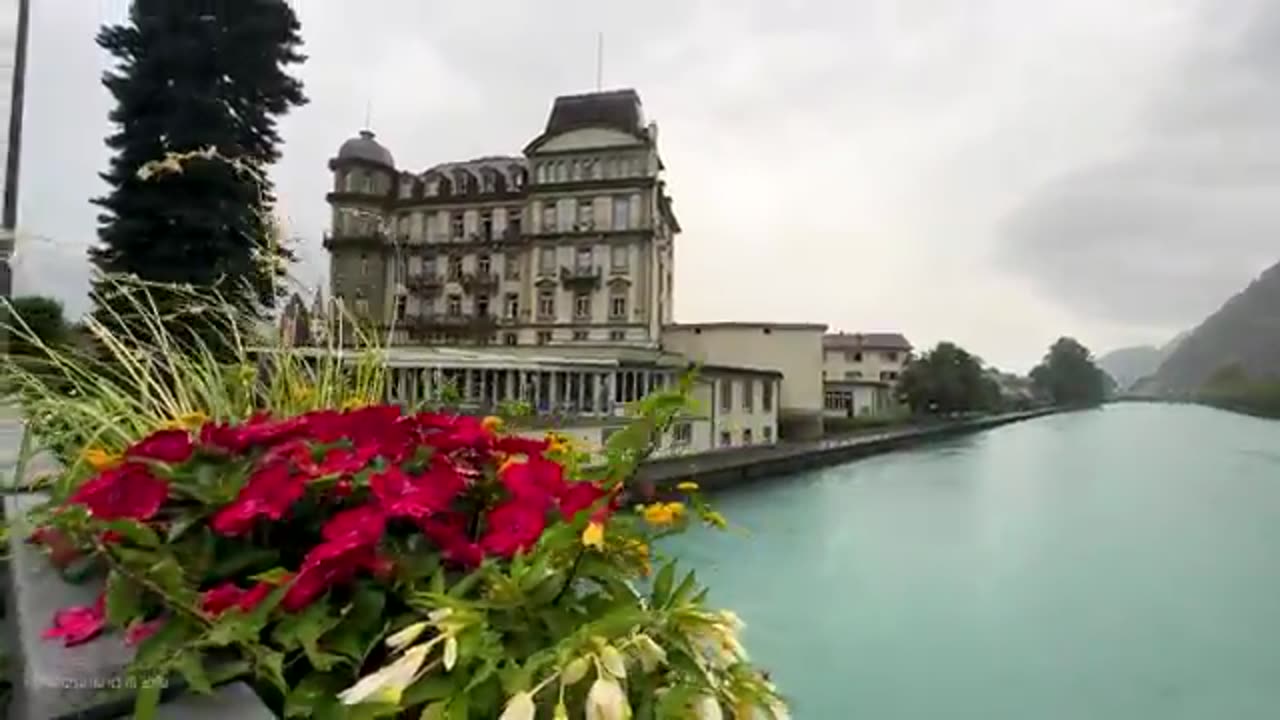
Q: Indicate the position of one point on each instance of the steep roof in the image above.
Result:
(618, 109)
(872, 341)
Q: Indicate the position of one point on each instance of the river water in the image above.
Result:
(1121, 563)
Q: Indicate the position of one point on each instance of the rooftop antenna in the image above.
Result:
(599, 61)
(368, 115)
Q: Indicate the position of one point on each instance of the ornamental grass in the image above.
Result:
(256, 514)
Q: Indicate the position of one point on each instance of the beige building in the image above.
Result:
(860, 371)
(793, 350)
(570, 243)
(584, 392)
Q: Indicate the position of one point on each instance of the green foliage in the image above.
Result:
(44, 319)
(573, 616)
(1231, 388)
(197, 98)
(1068, 376)
(946, 379)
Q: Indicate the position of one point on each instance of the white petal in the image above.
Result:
(403, 637)
(519, 707)
(606, 701)
(450, 653)
(707, 708)
(388, 683)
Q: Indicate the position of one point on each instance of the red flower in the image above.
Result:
(80, 624)
(332, 563)
(170, 446)
(512, 527)
(338, 461)
(139, 632)
(580, 496)
(538, 481)
(449, 433)
(126, 491)
(366, 522)
(449, 532)
(62, 552)
(260, 430)
(403, 496)
(270, 492)
(343, 489)
(228, 595)
(220, 599)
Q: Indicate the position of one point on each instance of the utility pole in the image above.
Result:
(9, 212)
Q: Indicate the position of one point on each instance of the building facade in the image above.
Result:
(793, 350)
(570, 243)
(860, 371)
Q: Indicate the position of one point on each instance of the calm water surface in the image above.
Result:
(1121, 563)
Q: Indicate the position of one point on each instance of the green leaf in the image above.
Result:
(134, 531)
(243, 559)
(688, 585)
(304, 630)
(191, 665)
(269, 665)
(179, 527)
(274, 576)
(361, 626)
(147, 702)
(463, 586)
(123, 600)
(426, 689)
(173, 634)
(662, 584)
(459, 708)
(435, 711)
(315, 695)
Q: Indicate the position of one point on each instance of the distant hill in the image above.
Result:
(1127, 365)
(1244, 331)
(1130, 364)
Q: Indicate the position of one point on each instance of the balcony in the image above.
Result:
(480, 283)
(424, 284)
(580, 277)
(421, 326)
(371, 238)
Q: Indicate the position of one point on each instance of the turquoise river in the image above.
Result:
(1113, 564)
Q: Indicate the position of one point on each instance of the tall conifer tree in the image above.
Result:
(193, 76)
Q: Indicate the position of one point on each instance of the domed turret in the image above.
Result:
(366, 148)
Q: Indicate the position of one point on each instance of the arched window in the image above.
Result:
(489, 180)
(445, 187)
(562, 173)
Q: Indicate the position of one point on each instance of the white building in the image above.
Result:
(860, 372)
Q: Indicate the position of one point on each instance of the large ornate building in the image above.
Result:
(569, 244)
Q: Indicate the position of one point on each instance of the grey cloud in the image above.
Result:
(1167, 231)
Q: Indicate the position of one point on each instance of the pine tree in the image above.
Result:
(206, 81)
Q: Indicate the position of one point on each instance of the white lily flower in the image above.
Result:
(779, 710)
(707, 707)
(731, 620)
(650, 653)
(450, 653)
(519, 707)
(607, 701)
(389, 683)
(435, 616)
(613, 662)
(402, 638)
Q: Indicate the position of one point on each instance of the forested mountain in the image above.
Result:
(1244, 332)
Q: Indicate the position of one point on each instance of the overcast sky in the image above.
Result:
(994, 172)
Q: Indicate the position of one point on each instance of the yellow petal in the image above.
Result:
(492, 423)
(593, 536)
(100, 459)
(687, 486)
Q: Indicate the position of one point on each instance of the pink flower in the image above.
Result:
(580, 496)
(128, 491)
(512, 527)
(403, 496)
(332, 563)
(78, 625)
(169, 446)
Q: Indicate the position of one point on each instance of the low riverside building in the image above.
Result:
(584, 394)
(860, 371)
(791, 350)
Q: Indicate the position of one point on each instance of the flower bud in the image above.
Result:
(613, 662)
(650, 653)
(574, 671)
(606, 701)
(519, 707)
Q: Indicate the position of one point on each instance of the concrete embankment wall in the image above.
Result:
(723, 469)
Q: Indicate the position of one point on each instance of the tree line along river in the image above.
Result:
(1117, 563)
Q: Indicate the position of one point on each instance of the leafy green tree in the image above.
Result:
(200, 93)
(1069, 376)
(41, 317)
(946, 379)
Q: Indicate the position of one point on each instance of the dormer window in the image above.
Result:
(489, 182)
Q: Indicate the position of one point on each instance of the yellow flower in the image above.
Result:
(687, 486)
(492, 424)
(593, 536)
(677, 509)
(100, 459)
(353, 404)
(658, 515)
(715, 519)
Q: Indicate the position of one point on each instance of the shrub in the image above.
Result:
(357, 560)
